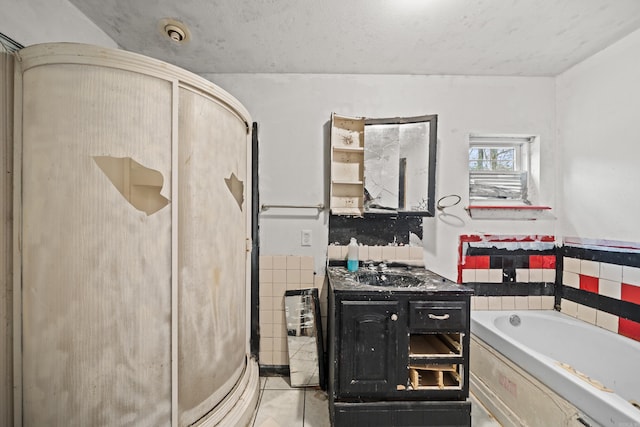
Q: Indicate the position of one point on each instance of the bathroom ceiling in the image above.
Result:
(468, 37)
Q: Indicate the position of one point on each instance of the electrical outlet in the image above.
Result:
(306, 238)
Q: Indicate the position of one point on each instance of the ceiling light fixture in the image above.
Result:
(176, 31)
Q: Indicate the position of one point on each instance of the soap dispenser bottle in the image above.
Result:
(352, 255)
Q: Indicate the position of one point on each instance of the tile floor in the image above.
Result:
(283, 406)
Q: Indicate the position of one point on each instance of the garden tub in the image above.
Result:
(546, 368)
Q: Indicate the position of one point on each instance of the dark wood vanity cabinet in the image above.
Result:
(399, 357)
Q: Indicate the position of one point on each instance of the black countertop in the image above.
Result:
(407, 280)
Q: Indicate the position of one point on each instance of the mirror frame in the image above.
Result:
(432, 119)
(313, 294)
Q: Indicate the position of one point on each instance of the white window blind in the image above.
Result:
(499, 167)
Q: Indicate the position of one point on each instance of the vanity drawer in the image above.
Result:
(438, 315)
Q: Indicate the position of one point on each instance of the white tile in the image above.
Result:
(522, 303)
(609, 288)
(495, 275)
(363, 253)
(279, 262)
(482, 303)
(265, 276)
(522, 275)
(333, 252)
(279, 289)
(417, 253)
(266, 344)
(316, 408)
(469, 275)
(293, 262)
(473, 303)
(508, 303)
(571, 264)
(495, 303)
(548, 302)
(306, 263)
(281, 357)
(569, 308)
(587, 314)
(611, 272)
(282, 408)
(266, 303)
(266, 357)
(535, 275)
(266, 262)
(375, 253)
(293, 276)
(535, 302)
(607, 321)
(279, 276)
(548, 275)
(482, 275)
(631, 275)
(306, 277)
(571, 279)
(389, 253)
(403, 253)
(589, 268)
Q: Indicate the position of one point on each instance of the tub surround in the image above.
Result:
(514, 266)
(601, 285)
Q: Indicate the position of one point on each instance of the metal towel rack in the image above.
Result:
(319, 207)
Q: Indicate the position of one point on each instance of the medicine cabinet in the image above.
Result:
(383, 165)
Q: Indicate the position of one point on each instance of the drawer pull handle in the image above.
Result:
(436, 317)
(394, 317)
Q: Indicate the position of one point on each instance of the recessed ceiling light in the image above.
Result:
(176, 31)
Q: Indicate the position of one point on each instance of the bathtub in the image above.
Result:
(546, 368)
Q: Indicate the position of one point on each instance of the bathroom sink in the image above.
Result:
(387, 279)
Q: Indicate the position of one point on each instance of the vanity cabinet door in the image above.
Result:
(368, 347)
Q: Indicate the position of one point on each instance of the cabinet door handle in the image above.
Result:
(394, 317)
(436, 317)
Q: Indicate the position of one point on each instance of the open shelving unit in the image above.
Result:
(347, 165)
(436, 361)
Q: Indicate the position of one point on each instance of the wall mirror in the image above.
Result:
(304, 338)
(383, 166)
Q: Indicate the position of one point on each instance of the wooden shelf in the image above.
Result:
(434, 377)
(347, 165)
(434, 345)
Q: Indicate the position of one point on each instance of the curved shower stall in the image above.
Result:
(131, 257)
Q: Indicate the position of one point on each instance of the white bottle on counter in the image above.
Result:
(352, 255)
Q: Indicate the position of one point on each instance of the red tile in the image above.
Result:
(549, 261)
(535, 261)
(630, 293)
(483, 262)
(589, 283)
(629, 329)
(469, 262)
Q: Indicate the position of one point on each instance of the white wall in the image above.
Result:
(598, 115)
(40, 21)
(292, 110)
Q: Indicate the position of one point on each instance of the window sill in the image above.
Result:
(524, 212)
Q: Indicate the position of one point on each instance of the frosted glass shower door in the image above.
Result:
(96, 270)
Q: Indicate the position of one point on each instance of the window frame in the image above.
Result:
(522, 155)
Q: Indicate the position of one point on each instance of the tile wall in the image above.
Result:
(602, 287)
(508, 272)
(411, 254)
(277, 275)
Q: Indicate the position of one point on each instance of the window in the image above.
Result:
(499, 168)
